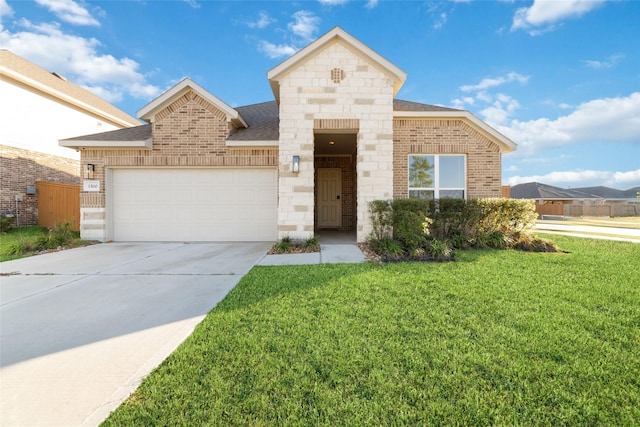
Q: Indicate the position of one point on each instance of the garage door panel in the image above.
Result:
(193, 204)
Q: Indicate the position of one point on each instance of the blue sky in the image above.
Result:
(561, 78)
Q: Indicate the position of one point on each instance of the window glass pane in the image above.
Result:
(421, 194)
(421, 172)
(451, 171)
(452, 194)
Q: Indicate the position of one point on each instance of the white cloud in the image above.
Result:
(439, 23)
(371, 4)
(263, 21)
(607, 63)
(193, 3)
(600, 120)
(549, 12)
(304, 25)
(333, 2)
(5, 10)
(70, 11)
(491, 82)
(582, 178)
(276, 51)
(501, 110)
(78, 59)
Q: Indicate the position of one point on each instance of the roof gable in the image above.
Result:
(149, 111)
(335, 35)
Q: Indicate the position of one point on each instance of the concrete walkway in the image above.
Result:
(79, 329)
(336, 247)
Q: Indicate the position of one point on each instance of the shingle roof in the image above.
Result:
(262, 120)
(16, 67)
(536, 190)
(400, 105)
(137, 133)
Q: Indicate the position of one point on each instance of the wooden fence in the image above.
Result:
(58, 203)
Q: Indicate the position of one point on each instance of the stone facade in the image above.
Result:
(310, 91)
(190, 132)
(20, 168)
(452, 136)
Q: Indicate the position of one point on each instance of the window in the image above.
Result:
(434, 176)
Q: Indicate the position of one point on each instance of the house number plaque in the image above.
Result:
(92, 185)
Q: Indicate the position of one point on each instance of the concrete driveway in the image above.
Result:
(80, 328)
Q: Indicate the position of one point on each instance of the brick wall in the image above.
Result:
(191, 132)
(453, 136)
(20, 168)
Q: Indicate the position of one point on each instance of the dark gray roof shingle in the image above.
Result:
(137, 133)
(262, 120)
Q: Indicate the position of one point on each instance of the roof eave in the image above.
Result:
(80, 144)
(506, 144)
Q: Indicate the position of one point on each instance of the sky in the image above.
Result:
(561, 78)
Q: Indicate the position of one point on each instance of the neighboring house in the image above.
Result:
(334, 139)
(37, 108)
(585, 201)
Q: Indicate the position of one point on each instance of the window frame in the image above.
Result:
(436, 172)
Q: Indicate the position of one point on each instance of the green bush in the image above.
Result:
(434, 228)
(60, 235)
(6, 222)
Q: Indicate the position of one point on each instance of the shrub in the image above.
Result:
(311, 243)
(59, 235)
(408, 222)
(381, 215)
(415, 227)
(284, 245)
(387, 248)
(6, 222)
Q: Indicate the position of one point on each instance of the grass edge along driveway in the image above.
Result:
(498, 337)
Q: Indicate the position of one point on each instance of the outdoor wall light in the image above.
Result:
(296, 164)
(89, 170)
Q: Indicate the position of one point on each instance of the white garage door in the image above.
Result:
(193, 204)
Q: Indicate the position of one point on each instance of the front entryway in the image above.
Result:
(329, 184)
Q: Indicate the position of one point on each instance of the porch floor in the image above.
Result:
(336, 237)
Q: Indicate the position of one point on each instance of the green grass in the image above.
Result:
(496, 338)
(21, 242)
(20, 237)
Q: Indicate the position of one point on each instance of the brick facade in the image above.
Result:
(190, 132)
(20, 168)
(453, 136)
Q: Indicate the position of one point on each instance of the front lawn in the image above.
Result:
(498, 337)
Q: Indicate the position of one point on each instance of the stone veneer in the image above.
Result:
(190, 132)
(308, 93)
(20, 168)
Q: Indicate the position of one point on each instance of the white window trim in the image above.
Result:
(436, 169)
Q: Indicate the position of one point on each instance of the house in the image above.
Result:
(585, 201)
(333, 139)
(37, 108)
